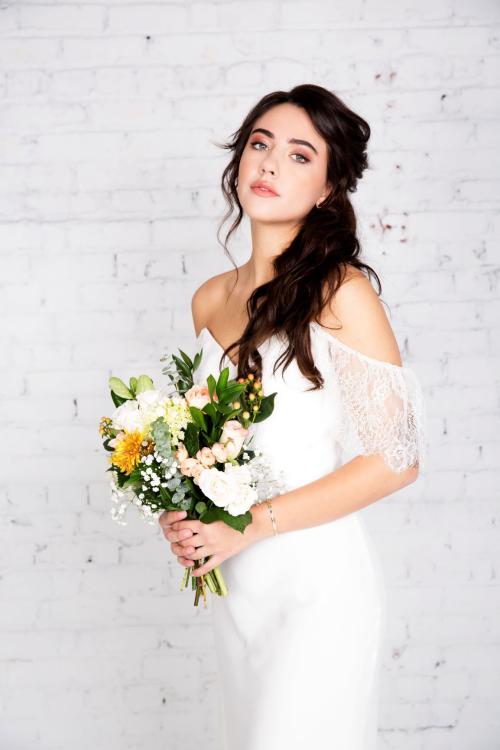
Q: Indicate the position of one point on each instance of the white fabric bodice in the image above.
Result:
(366, 406)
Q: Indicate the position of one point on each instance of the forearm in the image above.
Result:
(349, 488)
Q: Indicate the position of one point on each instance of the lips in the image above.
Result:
(261, 188)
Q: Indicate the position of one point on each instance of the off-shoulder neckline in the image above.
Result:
(332, 340)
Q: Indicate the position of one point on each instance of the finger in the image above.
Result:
(179, 549)
(206, 567)
(194, 553)
(168, 528)
(178, 536)
(192, 524)
(185, 562)
(168, 517)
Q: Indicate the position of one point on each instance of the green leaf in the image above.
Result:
(219, 514)
(197, 358)
(186, 359)
(211, 410)
(200, 507)
(182, 368)
(211, 385)
(222, 381)
(191, 439)
(266, 408)
(198, 417)
(118, 386)
(144, 383)
(118, 400)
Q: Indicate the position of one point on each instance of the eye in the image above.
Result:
(261, 143)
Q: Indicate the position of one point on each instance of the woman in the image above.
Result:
(298, 637)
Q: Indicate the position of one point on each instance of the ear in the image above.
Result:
(326, 192)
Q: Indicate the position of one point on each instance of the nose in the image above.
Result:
(268, 165)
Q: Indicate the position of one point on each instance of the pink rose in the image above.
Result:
(197, 470)
(206, 457)
(219, 452)
(187, 466)
(198, 396)
(181, 453)
(233, 437)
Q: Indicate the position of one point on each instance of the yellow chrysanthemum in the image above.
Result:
(127, 453)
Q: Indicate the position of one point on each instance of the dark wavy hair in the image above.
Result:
(324, 246)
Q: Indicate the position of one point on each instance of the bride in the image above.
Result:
(298, 637)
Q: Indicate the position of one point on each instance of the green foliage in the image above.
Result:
(144, 383)
(198, 418)
(191, 439)
(133, 479)
(121, 393)
(119, 388)
(219, 514)
(266, 408)
(200, 507)
(161, 436)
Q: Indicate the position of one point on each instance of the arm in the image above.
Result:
(351, 487)
(366, 478)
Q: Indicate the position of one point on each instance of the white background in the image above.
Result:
(109, 205)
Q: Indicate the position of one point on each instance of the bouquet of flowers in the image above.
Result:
(188, 449)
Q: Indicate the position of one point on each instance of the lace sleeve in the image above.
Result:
(383, 409)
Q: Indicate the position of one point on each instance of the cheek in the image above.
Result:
(304, 186)
(246, 164)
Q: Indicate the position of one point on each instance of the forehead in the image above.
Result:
(290, 121)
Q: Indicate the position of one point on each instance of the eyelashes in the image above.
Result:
(306, 160)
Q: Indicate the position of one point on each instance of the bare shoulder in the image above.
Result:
(210, 296)
(360, 319)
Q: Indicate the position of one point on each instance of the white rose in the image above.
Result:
(216, 485)
(243, 499)
(239, 473)
(228, 489)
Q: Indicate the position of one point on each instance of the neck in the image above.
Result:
(268, 241)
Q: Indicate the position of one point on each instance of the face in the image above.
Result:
(297, 172)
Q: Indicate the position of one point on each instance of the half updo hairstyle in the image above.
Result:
(326, 244)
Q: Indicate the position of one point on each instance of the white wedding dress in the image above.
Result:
(298, 637)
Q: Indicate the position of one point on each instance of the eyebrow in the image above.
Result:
(290, 140)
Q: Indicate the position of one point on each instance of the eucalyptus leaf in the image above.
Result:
(200, 507)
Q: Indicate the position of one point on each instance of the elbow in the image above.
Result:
(410, 474)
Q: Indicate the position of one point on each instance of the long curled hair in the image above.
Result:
(325, 244)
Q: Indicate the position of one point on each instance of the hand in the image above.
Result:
(193, 540)
(181, 542)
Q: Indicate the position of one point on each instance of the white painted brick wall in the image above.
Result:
(109, 203)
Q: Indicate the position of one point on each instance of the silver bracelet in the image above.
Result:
(269, 505)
